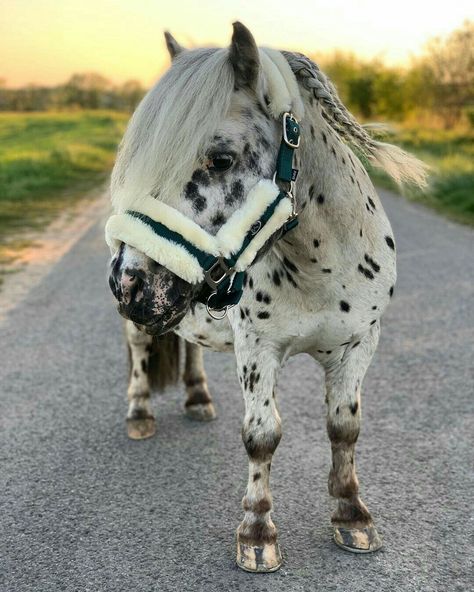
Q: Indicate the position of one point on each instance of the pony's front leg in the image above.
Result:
(257, 545)
(354, 529)
(140, 419)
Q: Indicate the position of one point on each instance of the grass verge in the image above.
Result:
(48, 161)
(450, 154)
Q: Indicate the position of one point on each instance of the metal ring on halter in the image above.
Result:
(291, 183)
(290, 193)
(211, 311)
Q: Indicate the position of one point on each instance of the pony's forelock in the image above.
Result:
(169, 130)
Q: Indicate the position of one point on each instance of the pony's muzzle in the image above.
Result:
(147, 293)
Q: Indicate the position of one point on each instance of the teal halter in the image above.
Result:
(223, 283)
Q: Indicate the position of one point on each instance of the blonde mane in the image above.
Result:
(172, 124)
(169, 131)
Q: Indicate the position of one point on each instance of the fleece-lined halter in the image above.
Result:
(219, 261)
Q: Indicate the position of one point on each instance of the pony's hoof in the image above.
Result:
(259, 559)
(139, 429)
(357, 540)
(201, 411)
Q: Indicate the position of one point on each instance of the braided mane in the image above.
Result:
(400, 165)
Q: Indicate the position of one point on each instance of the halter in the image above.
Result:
(186, 249)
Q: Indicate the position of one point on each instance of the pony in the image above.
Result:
(196, 148)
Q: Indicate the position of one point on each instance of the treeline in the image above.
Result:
(439, 85)
(82, 91)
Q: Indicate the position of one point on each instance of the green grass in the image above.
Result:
(49, 160)
(450, 155)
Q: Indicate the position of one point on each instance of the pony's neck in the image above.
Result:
(327, 193)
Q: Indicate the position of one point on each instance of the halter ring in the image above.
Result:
(211, 311)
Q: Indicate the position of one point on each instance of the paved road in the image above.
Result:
(84, 509)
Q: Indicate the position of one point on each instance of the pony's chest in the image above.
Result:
(198, 327)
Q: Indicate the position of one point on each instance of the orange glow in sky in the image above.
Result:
(45, 41)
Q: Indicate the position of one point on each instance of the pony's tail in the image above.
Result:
(164, 361)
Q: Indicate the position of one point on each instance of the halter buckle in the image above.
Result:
(289, 117)
(218, 267)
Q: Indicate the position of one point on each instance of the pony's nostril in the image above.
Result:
(128, 279)
(132, 284)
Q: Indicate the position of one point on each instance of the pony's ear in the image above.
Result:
(174, 48)
(243, 55)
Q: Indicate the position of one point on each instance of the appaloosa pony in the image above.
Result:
(235, 191)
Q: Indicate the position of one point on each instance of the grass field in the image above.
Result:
(49, 160)
(450, 155)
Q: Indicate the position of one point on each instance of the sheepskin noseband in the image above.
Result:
(217, 261)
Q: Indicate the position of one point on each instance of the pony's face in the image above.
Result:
(241, 150)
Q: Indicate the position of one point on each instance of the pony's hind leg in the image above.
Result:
(199, 403)
(354, 529)
(140, 419)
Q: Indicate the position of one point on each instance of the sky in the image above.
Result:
(45, 41)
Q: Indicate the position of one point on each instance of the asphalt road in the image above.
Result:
(82, 508)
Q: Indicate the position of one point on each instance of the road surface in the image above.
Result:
(83, 508)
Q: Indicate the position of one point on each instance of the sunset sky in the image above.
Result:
(45, 41)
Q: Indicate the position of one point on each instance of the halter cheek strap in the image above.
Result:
(218, 262)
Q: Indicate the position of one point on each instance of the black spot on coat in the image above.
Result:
(375, 266)
(291, 266)
(345, 306)
(368, 274)
(200, 177)
(354, 408)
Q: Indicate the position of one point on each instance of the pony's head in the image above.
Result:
(200, 140)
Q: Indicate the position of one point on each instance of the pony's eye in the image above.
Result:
(220, 162)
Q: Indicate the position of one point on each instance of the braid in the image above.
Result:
(335, 113)
(398, 164)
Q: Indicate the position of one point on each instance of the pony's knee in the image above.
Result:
(343, 422)
(261, 442)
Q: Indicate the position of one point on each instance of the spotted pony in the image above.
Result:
(201, 139)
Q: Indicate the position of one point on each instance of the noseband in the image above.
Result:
(218, 262)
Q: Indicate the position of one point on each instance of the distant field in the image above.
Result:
(49, 160)
(451, 157)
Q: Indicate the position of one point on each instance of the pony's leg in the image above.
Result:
(199, 403)
(354, 529)
(140, 419)
(257, 545)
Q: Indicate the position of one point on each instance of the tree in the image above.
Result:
(451, 64)
(131, 93)
(89, 90)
